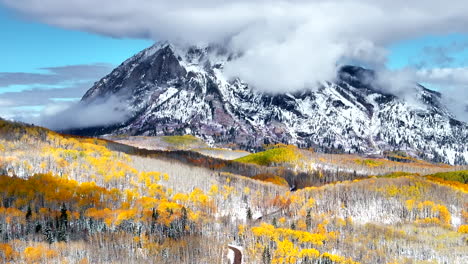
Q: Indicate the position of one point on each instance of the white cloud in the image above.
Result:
(65, 82)
(5, 102)
(68, 115)
(54, 75)
(454, 76)
(284, 44)
(455, 87)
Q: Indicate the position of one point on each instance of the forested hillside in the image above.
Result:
(68, 199)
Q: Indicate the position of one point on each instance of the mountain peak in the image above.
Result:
(164, 45)
(173, 91)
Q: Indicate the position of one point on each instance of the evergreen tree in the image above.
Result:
(266, 255)
(28, 214)
(274, 222)
(63, 224)
(184, 218)
(308, 220)
(154, 219)
(249, 214)
(49, 235)
(63, 220)
(155, 215)
(29, 226)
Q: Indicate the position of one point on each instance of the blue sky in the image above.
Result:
(30, 46)
(33, 48)
(44, 65)
(413, 51)
(27, 46)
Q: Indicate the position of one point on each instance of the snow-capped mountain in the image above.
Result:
(173, 91)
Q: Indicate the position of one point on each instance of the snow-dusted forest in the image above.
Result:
(70, 199)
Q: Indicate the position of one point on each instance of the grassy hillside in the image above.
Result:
(274, 156)
(459, 176)
(185, 142)
(68, 199)
(307, 160)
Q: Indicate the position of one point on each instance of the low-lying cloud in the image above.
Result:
(102, 112)
(24, 94)
(453, 82)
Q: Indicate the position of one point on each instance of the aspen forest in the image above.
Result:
(70, 199)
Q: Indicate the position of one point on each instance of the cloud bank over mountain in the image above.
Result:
(82, 115)
(282, 45)
(24, 94)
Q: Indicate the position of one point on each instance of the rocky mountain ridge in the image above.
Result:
(174, 91)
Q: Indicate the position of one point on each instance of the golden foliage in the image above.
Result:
(369, 162)
(454, 184)
(463, 229)
(428, 212)
(7, 252)
(286, 252)
(310, 253)
(338, 259)
(39, 253)
(277, 155)
(271, 233)
(271, 178)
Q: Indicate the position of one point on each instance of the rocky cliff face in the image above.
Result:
(173, 91)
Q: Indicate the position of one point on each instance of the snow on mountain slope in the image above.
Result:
(174, 91)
